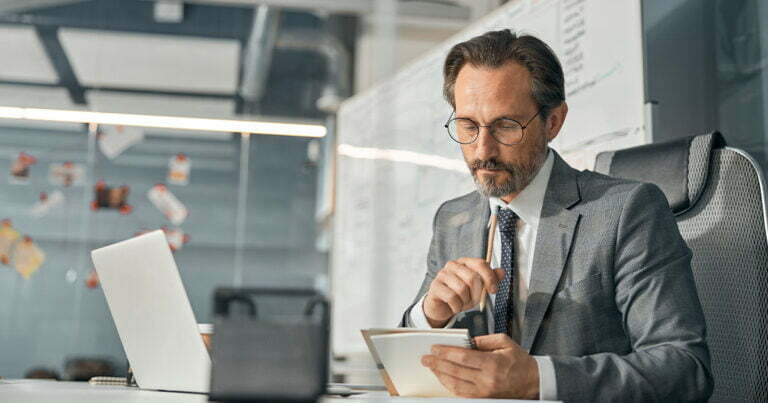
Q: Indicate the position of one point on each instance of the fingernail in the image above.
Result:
(426, 361)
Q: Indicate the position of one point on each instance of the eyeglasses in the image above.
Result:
(505, 130)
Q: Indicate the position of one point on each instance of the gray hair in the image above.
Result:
(494, 49)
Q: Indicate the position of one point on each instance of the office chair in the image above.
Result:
(718, 196)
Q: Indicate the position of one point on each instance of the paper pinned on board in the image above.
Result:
(111, 197)
(113, 140)
(178, 169)
(66, 174)
(27, 257)
(168, 204)
(46, 203)
(92, 281)
(176, 238)
(8, 237)
(20, 168)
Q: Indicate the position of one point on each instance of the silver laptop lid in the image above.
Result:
(152, 314)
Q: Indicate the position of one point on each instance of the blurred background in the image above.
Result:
(257, 209)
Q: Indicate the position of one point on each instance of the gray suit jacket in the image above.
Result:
(611, 297)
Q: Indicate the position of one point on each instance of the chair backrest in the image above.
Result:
(719, 201)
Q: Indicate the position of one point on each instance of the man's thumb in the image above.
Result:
(499, 273)
(493, 342)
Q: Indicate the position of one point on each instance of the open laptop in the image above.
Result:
(152, 314)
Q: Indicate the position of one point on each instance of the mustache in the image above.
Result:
(492, 163)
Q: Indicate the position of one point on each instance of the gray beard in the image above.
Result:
(519, 178)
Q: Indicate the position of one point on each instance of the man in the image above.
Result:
(592, 295)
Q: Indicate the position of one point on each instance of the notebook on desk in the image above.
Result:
(398, 352)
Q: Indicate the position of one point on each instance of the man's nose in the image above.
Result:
(487, 146)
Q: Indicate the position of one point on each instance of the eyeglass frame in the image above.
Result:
(477, 134)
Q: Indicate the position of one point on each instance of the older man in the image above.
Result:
(591, 292)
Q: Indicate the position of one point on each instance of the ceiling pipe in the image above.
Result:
(337, 61)
(257, 58)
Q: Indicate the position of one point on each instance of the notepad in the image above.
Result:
(398, 354)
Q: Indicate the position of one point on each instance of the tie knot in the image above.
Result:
(506, 219)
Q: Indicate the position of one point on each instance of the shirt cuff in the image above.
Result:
(547, 382)
(418, 319)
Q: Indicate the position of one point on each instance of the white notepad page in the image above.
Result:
(401, 354)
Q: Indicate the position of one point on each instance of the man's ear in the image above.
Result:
(555, 121)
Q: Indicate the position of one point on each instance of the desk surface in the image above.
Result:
(33, 391)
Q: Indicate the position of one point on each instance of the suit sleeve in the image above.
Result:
(656, 295)
(433, 266)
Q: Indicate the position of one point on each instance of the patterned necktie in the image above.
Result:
(507, 220)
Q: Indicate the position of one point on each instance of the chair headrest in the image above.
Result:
(679, 167)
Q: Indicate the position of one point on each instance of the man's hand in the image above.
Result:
(457, 288)
(500, 369)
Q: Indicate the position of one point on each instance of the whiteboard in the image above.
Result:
(396, 164)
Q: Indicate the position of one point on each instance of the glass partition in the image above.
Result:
(250, 203)
(250, 200)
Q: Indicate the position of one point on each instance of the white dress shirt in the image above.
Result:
(527, 205)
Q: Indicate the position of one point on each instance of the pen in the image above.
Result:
(489, 254)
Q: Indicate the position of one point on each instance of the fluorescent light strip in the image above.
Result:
(165, 122)
(415, 158)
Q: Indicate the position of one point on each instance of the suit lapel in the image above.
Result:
(553, 244)
(473, 233)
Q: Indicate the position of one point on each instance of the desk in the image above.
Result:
(34, 391)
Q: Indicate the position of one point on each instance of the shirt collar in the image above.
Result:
(527, 205)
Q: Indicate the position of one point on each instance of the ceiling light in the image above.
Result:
(412, 157)
(165, 122)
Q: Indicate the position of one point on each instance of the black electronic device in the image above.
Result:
(260, 358)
